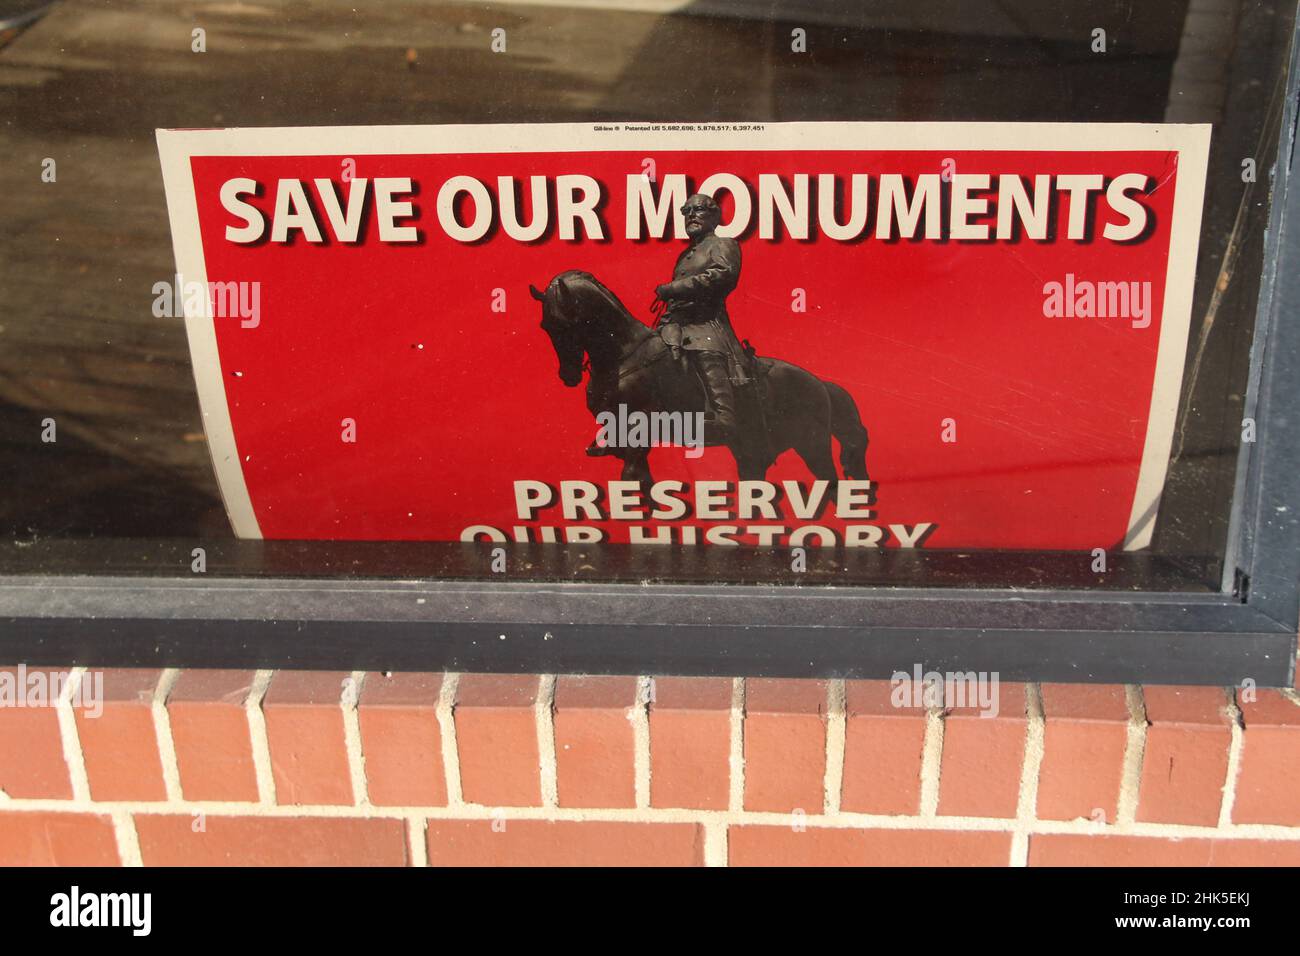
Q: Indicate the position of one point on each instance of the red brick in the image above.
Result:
(983, 757)
(304, 727)
(167, 840)
(1185, 762)
(785, 745)
(882, 750)
(826, 846)
(1268, 783)
(594, 750)
(496, 735)
(401, 740)
(56, 839)
(1058, 849)
(36, 769)
(563, 843)
(1268, 708)
(1085, 735)
(121, 745)
(214, 751)
(690, 743)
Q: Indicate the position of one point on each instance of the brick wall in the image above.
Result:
(213, 767)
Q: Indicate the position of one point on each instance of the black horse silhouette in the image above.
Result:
(630, 365)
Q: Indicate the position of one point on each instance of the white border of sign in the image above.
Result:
(1191, 142)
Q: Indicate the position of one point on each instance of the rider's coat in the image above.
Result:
(704, 276)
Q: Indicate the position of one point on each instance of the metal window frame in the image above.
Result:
(1238, 634)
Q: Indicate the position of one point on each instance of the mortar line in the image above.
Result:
(128, 839)
(640, 718)
(736, 750)
(931, 762)
(349, 701)
(836, 728)
(162, 726)
(257, 735)
(417, 829)
(1135, 742)
(1237, 725)
(715, 843)
(73, 756)
(841, 821)
(446, 714)
(545, 714)
(1031, 765)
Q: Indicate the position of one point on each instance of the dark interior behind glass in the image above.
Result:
(128, 487)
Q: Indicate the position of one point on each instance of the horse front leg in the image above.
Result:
(636, 467)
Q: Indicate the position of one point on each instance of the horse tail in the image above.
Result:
(847, 427)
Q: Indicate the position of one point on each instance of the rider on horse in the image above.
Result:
(695, 316)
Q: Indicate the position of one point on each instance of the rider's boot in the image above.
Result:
(719, 396)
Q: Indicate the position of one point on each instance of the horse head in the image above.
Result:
(567, 311)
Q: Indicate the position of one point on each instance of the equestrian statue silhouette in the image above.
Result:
(691, 362)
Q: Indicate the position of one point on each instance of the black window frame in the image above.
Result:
(1246, 631)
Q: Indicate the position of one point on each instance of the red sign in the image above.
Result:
(1002, 309)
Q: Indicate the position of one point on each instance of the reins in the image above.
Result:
(657, 308)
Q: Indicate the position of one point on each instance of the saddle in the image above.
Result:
(751, 370)
(748, 373)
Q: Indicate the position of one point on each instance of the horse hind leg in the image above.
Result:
(816, 454)
(846, 425)
(853, 451)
